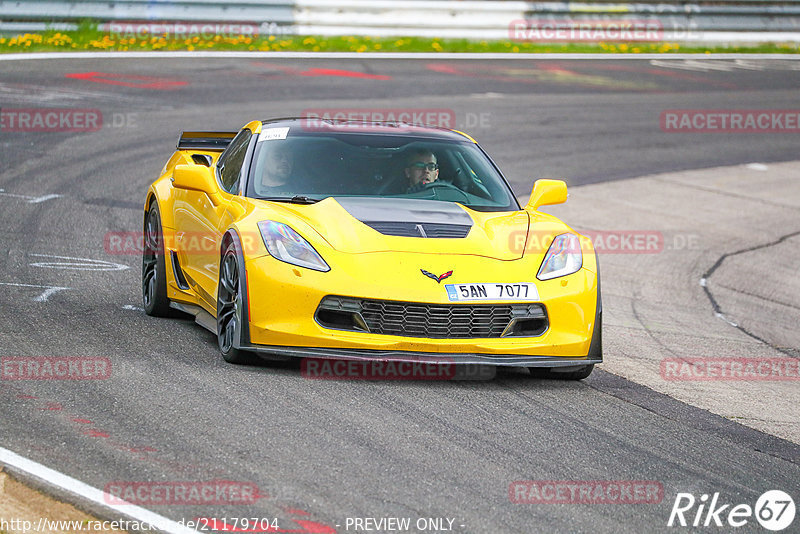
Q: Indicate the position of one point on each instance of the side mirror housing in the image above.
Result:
(195, 178)
(547, 192)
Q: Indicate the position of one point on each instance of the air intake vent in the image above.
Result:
(407, 229)
(438, 321)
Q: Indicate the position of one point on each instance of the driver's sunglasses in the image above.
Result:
(427, 166)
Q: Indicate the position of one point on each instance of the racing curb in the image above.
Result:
(82, 496)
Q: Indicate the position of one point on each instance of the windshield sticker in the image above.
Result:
(271, 134)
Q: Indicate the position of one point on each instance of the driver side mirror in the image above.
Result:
(195, 178)
(547, 192)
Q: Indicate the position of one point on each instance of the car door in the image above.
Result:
(200, 221)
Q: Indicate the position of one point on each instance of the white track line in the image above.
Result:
(49, 290)
(373, 55)
(62, 481)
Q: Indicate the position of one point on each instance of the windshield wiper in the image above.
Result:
(297, 199)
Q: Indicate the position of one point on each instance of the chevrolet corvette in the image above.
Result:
(350, 240)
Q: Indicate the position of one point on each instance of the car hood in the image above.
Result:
(361, 225)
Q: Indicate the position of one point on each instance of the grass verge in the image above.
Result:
(89, 37)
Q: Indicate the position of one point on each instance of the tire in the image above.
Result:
(595, 350)
(576, 374)
(154, 271)
(230, 308)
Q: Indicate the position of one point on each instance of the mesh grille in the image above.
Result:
(406, 229)
(435, 321)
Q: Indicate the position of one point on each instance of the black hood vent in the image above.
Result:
(404, 229)
(409, 217)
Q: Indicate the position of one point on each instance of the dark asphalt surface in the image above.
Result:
(325, 451)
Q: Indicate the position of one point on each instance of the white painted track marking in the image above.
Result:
(46, 294)
(77, 264)
(37, 200)
(86, 492)
(30, 199)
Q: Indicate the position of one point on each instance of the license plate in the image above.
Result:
(523, 291)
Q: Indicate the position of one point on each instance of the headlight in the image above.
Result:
(563, 257)
(284, 244)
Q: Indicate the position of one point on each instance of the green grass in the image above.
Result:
(89, 37)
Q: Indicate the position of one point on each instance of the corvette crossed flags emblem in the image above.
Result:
(437, 278)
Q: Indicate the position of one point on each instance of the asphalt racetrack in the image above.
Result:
(323, 453)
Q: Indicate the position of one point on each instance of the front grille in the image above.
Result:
(444, 321)
(410, 229)
(435, 321)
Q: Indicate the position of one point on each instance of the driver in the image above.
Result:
(421, 169)
(279, 164)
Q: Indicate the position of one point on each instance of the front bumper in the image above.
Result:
(283, 299)
(511, 360)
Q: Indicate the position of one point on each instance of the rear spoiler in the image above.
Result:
(212, 141)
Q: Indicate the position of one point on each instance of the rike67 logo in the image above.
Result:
(774, 510)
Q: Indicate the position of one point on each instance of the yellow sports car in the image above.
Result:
(367, 241)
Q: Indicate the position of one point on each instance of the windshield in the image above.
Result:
(310, 167)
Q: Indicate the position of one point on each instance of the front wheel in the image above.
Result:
(574, 373)
(230, 308)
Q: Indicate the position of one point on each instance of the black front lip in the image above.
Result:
(506, 360)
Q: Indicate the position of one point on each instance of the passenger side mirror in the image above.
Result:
(547, 192)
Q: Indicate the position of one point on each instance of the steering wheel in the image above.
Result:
(431, 186)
